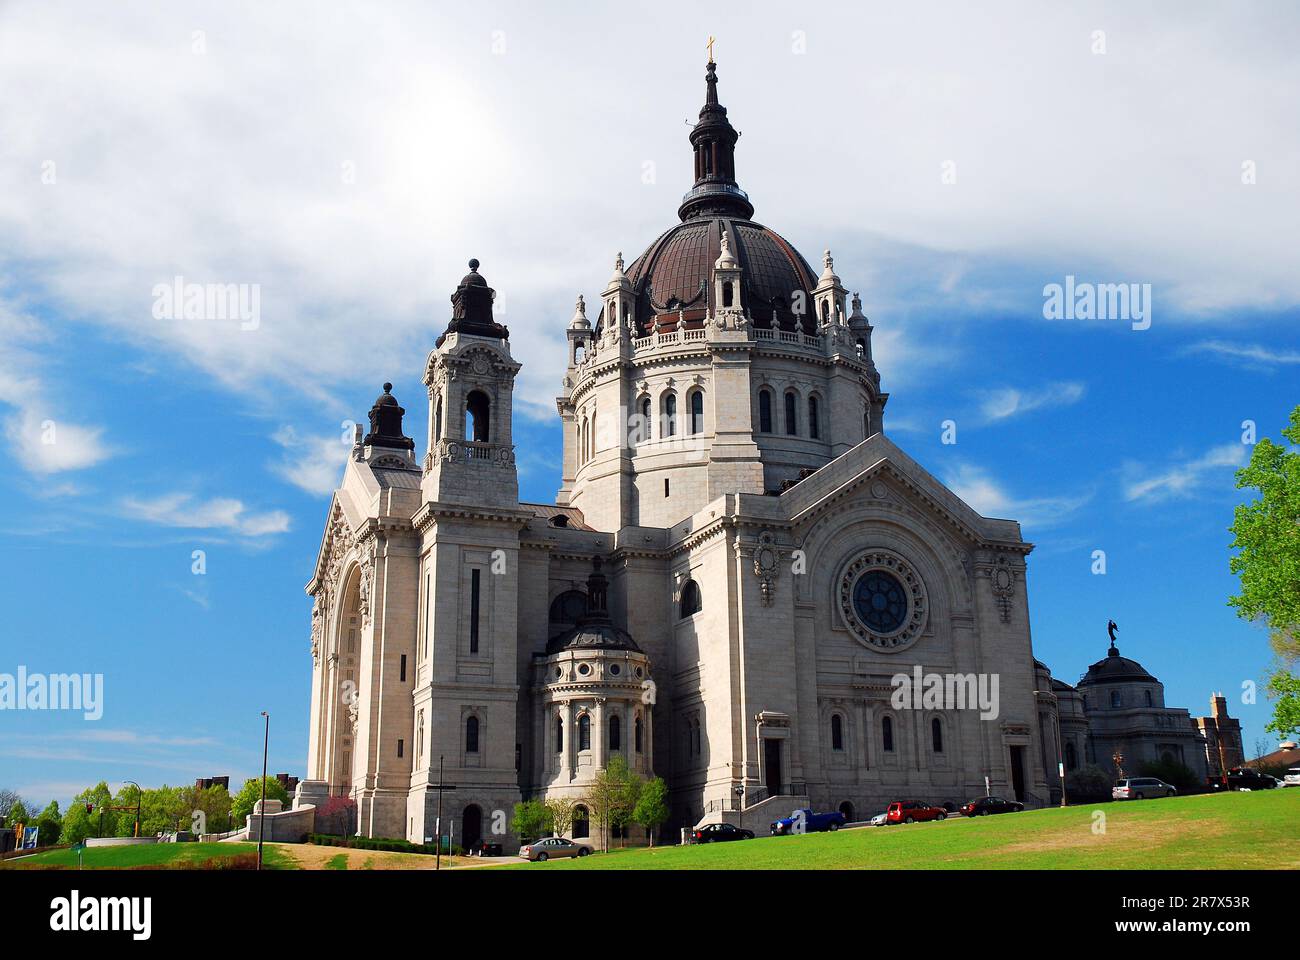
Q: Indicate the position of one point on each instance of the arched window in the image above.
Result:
(791, 426)
(644, 428)
(1114, 699)
(846, 809)
(477, 416)
(936, 735)
(691, 601)
(765, 411)
(582, 441)
(437, 422)
(1071, 757)
(1148, 693)
(887, 734)
(559, 734)
(581, 823)
(697, 738)
(837, 732)
(568, 607)
(636, 734)
(471, 735)
(697, 412)
(826, 310)
(584, 732)
(814, 426)
(866, 424)
(670, 416)
(615, 735)
(727, 294)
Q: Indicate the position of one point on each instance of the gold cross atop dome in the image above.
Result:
(710, 45)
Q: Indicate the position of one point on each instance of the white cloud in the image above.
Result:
(1180, 479)
(39, 437)
(350, 164)
(1010, 401)
(219, 513)
(1250, 354)
(982, 493)
(314, 464)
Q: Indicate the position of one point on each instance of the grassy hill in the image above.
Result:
(1234, 830)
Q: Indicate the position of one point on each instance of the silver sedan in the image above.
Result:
(553, 847)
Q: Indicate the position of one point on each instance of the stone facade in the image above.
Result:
(739, 565)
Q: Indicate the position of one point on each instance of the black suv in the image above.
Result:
(1242, 778)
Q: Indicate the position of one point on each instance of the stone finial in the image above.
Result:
(726, 259)
(857, 309)
(828, 267)
(580, 321)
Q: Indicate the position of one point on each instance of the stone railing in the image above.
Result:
(476, 452)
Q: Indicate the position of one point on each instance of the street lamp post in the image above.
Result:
(261, 820)
(138, 795)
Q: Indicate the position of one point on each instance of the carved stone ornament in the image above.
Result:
(766, 559)
(317, 628)
(1002, 579)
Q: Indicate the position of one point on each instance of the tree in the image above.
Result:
(1173, 773)
(215, 802)
(612, 797)
(18, 813)
(560, 811)
(1266, 532)
(531, 820)
(652, 807)
(49, 824)
(246, 800)
(7, 800)
(78, 824)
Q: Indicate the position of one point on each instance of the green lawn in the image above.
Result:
(1225, 831)
(160, 855)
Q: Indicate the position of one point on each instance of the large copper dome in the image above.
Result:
(671, 280)
(673, 276)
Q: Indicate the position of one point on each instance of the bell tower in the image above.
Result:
(471, 376)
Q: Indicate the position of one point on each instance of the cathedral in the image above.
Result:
(738, 563)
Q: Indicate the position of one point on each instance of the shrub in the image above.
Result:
(386, 844)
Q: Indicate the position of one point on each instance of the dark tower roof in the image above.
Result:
(1116, 669)
(671, 280)
(386, 423)
(471, 308)
(715, 192)
(594, 629)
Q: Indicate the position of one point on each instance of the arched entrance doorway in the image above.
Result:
(846, 808)
(471, 831)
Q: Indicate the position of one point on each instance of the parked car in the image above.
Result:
(1291, 778)
(879, 820)
(553, 847)
(1141, 788)
(805, 821)
(1242, 778)
(719, 833)
(983, 806)
(913, 811)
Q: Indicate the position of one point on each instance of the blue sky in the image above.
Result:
(328, 159)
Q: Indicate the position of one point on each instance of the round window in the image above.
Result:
(615, 669)
(584, 668)
(880, 601)
(638, 673)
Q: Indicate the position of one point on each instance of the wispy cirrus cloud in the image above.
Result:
(313, 464)
(218, 513)
(1006, 402)
(40, 438)
(990, 498)
(1247, 354)
(1147, 483)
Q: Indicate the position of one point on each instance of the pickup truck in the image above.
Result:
(805, 821)
(1241, 778)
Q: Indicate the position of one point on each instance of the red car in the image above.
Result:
(913, 811)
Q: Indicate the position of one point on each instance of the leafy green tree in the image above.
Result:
(1087, 784)
(78, 824)
(49, 824)
(612, 797)
(250, 793)
(215, 802)
(1173, 773)
(560, 812)
(1266, 534)
(531, 820)
(18, 813)
(651, 808)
